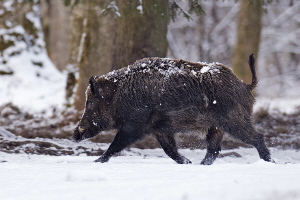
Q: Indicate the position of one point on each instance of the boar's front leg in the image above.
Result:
(168, 143)
(124, 137)
(213, 140)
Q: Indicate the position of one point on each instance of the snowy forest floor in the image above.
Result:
(150, 175)
(38, 159)
(42, 133)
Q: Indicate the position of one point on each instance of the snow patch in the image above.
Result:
(6, 134)
(150, 174)
(31, 87)
(140, 8)
(194, 73)
(35, 83)
(205, 69)
(210, 67)
(85, 175)
(287, 105)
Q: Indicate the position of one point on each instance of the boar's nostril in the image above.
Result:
(81, 129)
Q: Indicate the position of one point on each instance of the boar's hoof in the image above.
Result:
(267, 157)
(102, 159)
(207, 161)
(271, 161)
(183, 160)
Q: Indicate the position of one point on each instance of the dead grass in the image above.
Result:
(280, 129)
(57, 125)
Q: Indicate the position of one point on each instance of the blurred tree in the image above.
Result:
(56, 28)
(248, 36)
(142, 31)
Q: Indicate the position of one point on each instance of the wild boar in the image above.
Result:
(162, 96)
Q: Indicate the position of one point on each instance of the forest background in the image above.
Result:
(49, 49)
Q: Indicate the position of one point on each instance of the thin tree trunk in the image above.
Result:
(248, 36)
(92, 37)
(56, 28)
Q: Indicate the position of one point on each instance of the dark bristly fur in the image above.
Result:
(162, 96)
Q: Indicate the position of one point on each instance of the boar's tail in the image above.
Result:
(252, 68)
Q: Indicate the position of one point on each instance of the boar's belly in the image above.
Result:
(190, 120)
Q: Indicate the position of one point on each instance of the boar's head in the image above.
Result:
(98, 113)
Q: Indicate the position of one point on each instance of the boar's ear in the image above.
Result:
(93, 85)
(101, 87)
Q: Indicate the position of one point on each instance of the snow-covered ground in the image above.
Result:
(149, 174)
(288, 104)
(33, 88)
(35, 84)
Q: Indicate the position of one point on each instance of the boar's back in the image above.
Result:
(166, 85)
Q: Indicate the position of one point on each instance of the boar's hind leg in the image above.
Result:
(123, 139)
(168, 143)
(247, 134)
(213, 140)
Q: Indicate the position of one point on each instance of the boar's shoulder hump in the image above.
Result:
(168, 67)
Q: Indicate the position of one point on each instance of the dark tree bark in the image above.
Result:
(142, 31)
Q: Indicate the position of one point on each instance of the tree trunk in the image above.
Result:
(142, 31)
(92, 36)
(248, 37)
(56, 28)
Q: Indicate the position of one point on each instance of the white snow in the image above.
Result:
(149, 174)
(36, 84)
(112, 6)
(140, 8)
(8, 5)
(5, 134)
(288, 105)
(194, 73)
(32, 87)
(205, 69)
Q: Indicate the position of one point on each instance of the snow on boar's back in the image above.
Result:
(163, 96)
